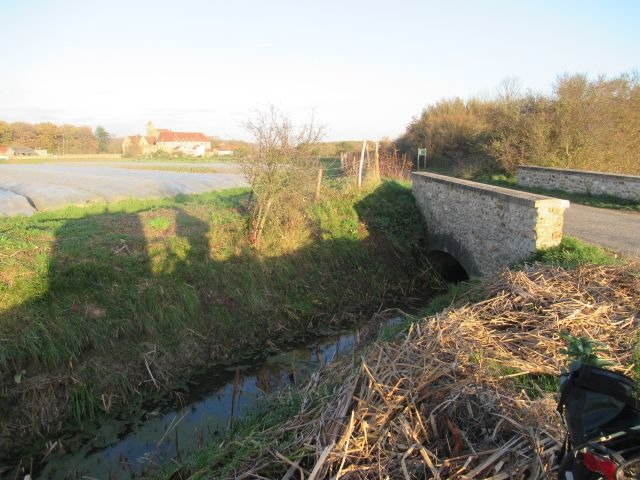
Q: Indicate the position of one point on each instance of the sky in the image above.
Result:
(364, 68)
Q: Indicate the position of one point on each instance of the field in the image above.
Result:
(103, 302)
(26, 188)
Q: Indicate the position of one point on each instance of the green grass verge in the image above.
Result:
(572, 253)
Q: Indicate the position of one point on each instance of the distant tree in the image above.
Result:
(6, 133)
(102, 136)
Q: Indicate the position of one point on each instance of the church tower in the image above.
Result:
(151, 130)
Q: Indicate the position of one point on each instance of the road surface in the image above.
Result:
(27, 188)
(617, 230)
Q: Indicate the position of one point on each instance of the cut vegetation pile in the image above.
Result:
(465, 394)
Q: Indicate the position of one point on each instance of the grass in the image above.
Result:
(572, 253)
(159, 223)
(94, 293)
(241, 439)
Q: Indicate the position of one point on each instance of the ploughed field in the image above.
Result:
(28, 188)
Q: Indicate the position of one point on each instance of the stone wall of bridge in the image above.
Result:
(486, 228)
(580, 181)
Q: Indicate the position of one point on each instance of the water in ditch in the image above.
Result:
(139, 443)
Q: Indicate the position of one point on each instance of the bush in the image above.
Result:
(585, 124)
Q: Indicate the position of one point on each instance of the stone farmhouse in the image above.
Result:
(194, 144)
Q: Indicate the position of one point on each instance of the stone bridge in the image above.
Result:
(476, 229)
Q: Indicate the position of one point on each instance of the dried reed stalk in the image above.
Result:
(441, 403)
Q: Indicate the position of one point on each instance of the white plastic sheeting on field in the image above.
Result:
(51, 186)
(12, 204)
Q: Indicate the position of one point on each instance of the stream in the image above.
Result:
(140, 442)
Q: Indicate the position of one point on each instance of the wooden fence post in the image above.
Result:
(316, 197)
(376, 163)
(364, 145)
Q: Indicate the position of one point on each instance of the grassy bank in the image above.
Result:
(494, 347)
(104, 302)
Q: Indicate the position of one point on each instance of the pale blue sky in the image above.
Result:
(365, 67)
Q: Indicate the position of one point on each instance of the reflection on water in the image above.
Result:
(127, 448)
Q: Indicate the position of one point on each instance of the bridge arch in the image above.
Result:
(447, 253)
(447, 267)
(484, 227)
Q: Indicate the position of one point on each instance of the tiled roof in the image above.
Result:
(227, 146)
(4, 149)
(23, 150)
(151, 140)
(168, 136)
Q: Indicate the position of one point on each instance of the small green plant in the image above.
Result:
(583, 351)
(159, 223)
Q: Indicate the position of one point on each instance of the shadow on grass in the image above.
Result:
(134, 300)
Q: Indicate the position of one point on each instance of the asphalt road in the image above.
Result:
(617, 230)
(27, 188)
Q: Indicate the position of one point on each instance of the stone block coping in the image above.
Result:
(525, 198)
(583, 173)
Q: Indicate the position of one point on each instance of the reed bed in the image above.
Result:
(442, 402)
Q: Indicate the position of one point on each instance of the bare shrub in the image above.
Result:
(280, 168)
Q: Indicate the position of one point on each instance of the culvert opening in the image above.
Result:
(447, 267)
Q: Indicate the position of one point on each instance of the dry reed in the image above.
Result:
(442, 402)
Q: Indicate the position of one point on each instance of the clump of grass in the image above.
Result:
(159, 223)
(572, 253)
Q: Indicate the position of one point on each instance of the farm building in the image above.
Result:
(131, 145)
(19, 151)
(148, 144)
(159, 139)
(225, 149)
(188, 143)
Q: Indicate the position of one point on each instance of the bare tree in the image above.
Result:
(280, 168)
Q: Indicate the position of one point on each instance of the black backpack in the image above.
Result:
(596, 402)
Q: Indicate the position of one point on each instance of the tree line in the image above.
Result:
(58, 139)
(588, 124)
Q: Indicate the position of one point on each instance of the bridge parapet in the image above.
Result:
(580, 181)
(485, 227)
